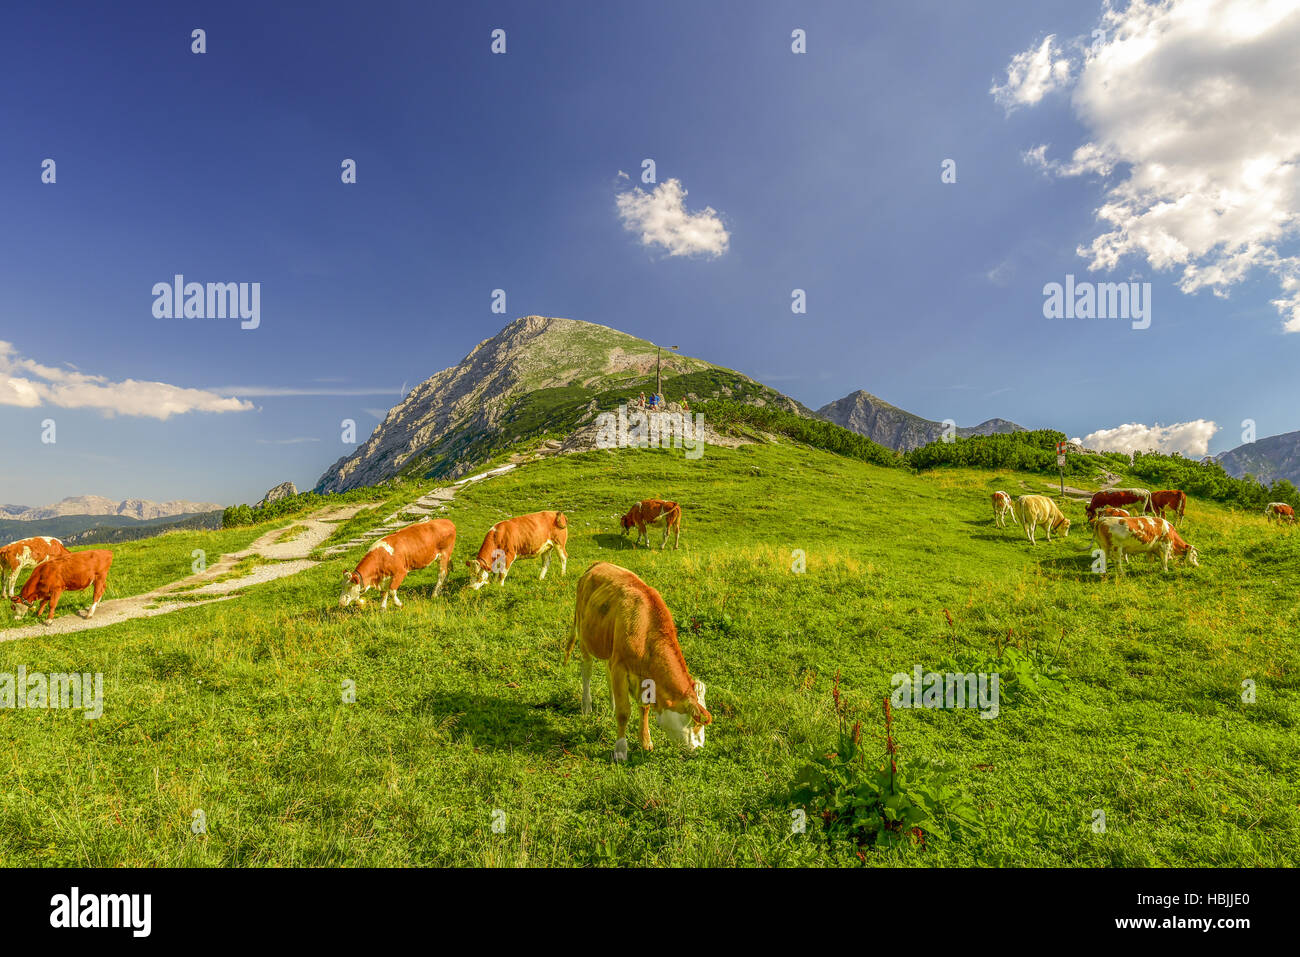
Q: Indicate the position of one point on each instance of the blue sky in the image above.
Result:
(478, 171)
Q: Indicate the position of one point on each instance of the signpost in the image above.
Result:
(1060, 465)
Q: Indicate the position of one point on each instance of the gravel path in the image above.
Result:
(289, 558)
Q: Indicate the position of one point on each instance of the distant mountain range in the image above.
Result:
(136, 508)
(542, 377)
(896, 428)
(1268, 459)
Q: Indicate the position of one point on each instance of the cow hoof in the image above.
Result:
(620, 749)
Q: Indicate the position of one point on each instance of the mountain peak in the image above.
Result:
(538, 375)
(897, 428)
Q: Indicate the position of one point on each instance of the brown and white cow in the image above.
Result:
(653, 511)
(1030, 511)
(1141, 535)
(1002, 507)
(393, 556)
(1279, 511)
(1171, 498)
(72, 572)
(26, 553)
(625, 623)
(1119, 497)
(523, 537)
(1108, 511)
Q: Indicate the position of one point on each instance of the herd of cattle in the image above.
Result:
(618, 618)
(1117, 530)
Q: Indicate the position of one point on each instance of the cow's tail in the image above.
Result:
(674, 515)
(573, 637)
(561, 521)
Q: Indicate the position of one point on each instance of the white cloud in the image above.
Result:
(1189, 439)
(1033, 74)
(28, 384)
(1194, 103)
(660, 218)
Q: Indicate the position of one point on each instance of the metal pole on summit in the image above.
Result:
(659, 386)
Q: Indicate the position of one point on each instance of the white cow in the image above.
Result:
(1030, 511)
(1002, 507)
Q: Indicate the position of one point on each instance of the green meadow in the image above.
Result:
(465, 744)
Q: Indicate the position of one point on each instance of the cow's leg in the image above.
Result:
(444, 563)
(393, 584)
(645, 728)
(586, 683)
(564, 559)
(546, 563)
(100, 585)
(53, 603)
(384, 587)
(677, 535)
(622, 707)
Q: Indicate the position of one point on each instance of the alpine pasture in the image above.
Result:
(465, 744)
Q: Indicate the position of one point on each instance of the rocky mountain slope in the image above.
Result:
(1268, 459)
(136, 508)
(896, 428)
(539, 378)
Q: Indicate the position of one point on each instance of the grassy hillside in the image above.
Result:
(463, 707)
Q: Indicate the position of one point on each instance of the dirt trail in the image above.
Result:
(290, 558)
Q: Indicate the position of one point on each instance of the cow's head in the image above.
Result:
(1192, 557)
(352, 590)
(627, 523)
(479, 572)
(1063, 526)
(20, 607)
(684, 720)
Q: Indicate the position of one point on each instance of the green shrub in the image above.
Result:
(735, 417)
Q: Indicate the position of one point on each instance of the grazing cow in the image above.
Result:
(1030, 511)
(1142, 534)
(1002, 507)
(1280, 511)
(73, 572)
(1108, 511)
(653, 511)
(1119, 497)
(522, 537)
(26, 553)
(625, 623)
(393, 556)
(1172, 499)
